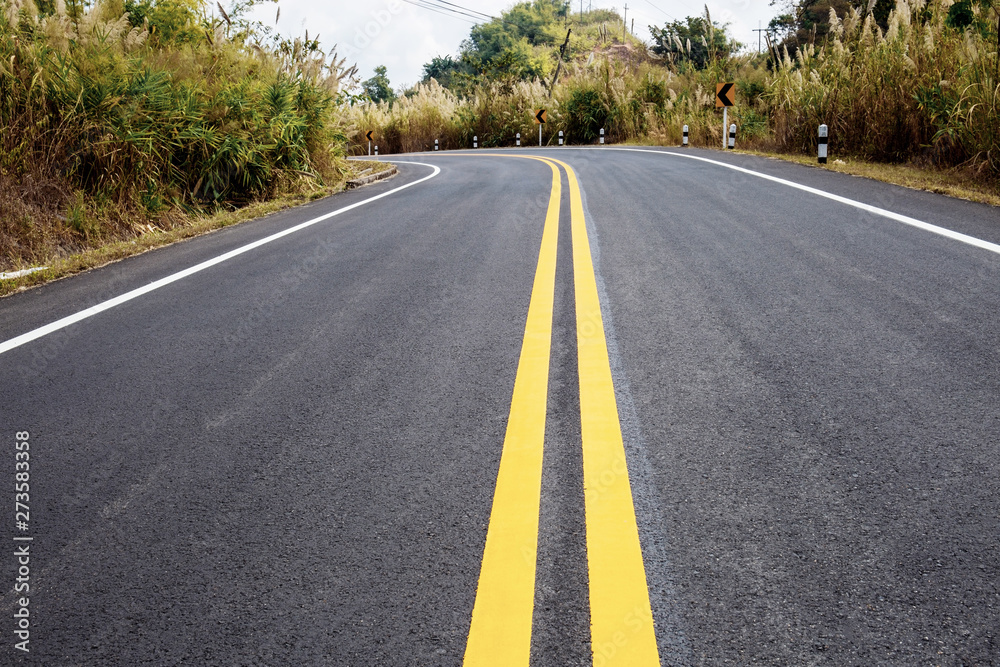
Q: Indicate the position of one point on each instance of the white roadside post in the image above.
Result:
(732, 136)
(823, 138)
(725, 97)
(518, 138)
(475, 141)
(560, 138)
(602, 135)
(539, 135)
(435, 144)
(684, 141)
(376, 151)
(725, 124)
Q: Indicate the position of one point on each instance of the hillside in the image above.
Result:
(529, 41)
(908, 82)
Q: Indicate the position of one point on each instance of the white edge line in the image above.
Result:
(898, 217)
(8, 345)
(906, 220)
(22, 272)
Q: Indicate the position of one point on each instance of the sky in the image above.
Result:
(403, 37)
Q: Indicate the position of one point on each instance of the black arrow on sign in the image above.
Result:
(540, 116)
(724, 94)
(369, 135)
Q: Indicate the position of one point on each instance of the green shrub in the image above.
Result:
(585, 114)
(151, 106)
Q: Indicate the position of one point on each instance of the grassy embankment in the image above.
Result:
(124, 127)
(915, 104)
(107, 251)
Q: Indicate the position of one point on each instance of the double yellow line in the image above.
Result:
(621, 620)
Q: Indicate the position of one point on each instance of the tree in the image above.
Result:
(961, 15)
(445, 70)
(514, 63)
(377, 88)
(696, 40)
(975, 14)
(170, 21)
(504, 48)
(533, 23)
(522, 44)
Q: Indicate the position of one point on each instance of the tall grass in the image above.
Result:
(618, 89)
(494, 112)
(920, 90)
(111, 120)
(628, 101)
(105, 129)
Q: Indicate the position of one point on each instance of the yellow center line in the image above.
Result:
(622, 632)
(621, 620)
(500, 633)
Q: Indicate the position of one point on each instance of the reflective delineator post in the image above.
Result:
(684, 141)
(560, 138)
(732, 136)
(376, 151)
(823, 132)
(475, 141)
(435, 144)
(602, 135)
(518, 138)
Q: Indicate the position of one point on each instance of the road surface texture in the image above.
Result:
(290, 457)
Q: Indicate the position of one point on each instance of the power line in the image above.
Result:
(452, 9)
(455, 9)
(449, 11)
(660, 10)
(687, 6)
(445, 2)
(440, 10)
(643, 17)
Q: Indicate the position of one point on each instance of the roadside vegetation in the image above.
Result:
(130, 119)
(119, 119)
(906, 82)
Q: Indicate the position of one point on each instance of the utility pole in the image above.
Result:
(562, 52)
(759, 30)
(625, 23)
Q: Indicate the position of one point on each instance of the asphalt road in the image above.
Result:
(290, 457)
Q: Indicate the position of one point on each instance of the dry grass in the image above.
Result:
(186, 227)
(921, 89)
(109, 127)
(919, 92)
(920, 95)
(958, 182)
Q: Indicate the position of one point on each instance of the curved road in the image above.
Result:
(289, 455)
